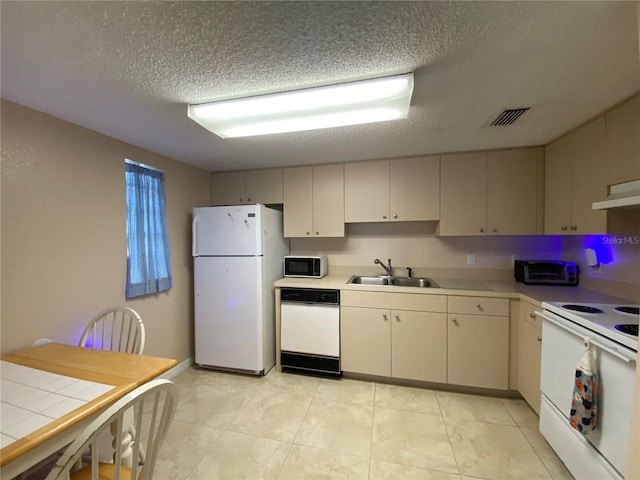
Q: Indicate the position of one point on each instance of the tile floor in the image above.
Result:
(287, 426)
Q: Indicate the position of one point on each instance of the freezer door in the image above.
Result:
(227, 231)
(228, 312)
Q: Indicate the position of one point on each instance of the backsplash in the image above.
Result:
(415, 245)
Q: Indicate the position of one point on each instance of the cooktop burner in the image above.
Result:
(582, 308)
(631, 310)
(628, 328)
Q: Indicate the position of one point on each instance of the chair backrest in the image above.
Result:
(153, 405)
(119, 329)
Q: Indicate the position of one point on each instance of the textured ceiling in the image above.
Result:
(128, 69)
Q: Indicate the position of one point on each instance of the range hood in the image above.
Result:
(623, 195)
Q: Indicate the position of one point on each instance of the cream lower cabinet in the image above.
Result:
(394, 342)
(478, 342)
(529, 354)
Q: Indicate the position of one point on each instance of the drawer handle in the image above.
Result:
(532, 315)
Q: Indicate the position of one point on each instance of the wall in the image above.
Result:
(414, 244)
(64, 238)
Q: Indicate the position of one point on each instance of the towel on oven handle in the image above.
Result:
(584, 408)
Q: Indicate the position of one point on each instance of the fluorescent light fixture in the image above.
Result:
(367, 101)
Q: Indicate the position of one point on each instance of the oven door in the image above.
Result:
(563, 344)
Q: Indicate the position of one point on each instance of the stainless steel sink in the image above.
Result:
(394, 281)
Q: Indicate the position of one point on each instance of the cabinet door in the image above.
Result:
(419, 345)
(588, 178)
(328, 200)
(366, 191)
(557, 187)
(298, 201)
(512, 192)
(623, 142)
(228, 188)
(529, 355)
(264, 186)
(414, 189)
(463, 194)
(365, 340)
(478, 351)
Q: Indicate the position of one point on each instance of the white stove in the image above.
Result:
(610, 331)
(618, 322)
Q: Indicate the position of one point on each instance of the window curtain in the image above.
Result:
(148, 256)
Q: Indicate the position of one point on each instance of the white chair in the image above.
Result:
(154, 405)
(119, 329)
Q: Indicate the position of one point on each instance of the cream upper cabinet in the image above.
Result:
(399, 190)
(478, 342)
(491, 193)
(264, 186)
(514, 191)
(366, 191)
(251, 186)
(414, 189)
(228, 188)
(463, 194)
(529, 354)
(314, 201)
(623, 142)
(575, 177)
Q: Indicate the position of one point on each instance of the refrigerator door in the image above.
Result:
(228, 312)
(227, 231)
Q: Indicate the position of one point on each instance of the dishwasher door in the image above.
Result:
(310, 328)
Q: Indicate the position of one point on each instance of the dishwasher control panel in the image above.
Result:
(310, 295)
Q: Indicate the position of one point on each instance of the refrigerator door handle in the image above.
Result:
(194, 230)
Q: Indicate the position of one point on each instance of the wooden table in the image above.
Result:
(124, 371)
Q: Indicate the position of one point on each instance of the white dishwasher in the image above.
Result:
(310, 330)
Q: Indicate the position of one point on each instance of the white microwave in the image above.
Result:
(314, 266)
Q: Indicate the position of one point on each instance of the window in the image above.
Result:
(148, 258)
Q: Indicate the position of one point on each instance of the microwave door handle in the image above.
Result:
(593, 342)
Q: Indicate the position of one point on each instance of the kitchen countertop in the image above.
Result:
(479, 288)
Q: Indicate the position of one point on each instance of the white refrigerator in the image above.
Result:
(238, 254)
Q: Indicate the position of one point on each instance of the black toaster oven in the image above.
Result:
(546, 272)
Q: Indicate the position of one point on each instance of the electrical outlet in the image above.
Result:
(471, 259)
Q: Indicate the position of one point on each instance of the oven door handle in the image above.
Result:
(593, 342)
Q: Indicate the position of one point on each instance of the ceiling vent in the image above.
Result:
(509, 117)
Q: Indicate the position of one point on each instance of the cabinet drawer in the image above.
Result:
(478, 305)
(528, 314)
(397, 301)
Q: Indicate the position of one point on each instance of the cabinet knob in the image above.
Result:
(455, 321)
(241, 201)
(494, 229)
(395, 215)
(481, 229)
(384, 216)
(248, 200)
(385, 317)
(573, 228)
(308, 232)
(397, 317)
(532, 315)
(478, 306)
(539, 339)
(317, 232)
(563, 228)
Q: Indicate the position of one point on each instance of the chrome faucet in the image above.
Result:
(386, 267)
